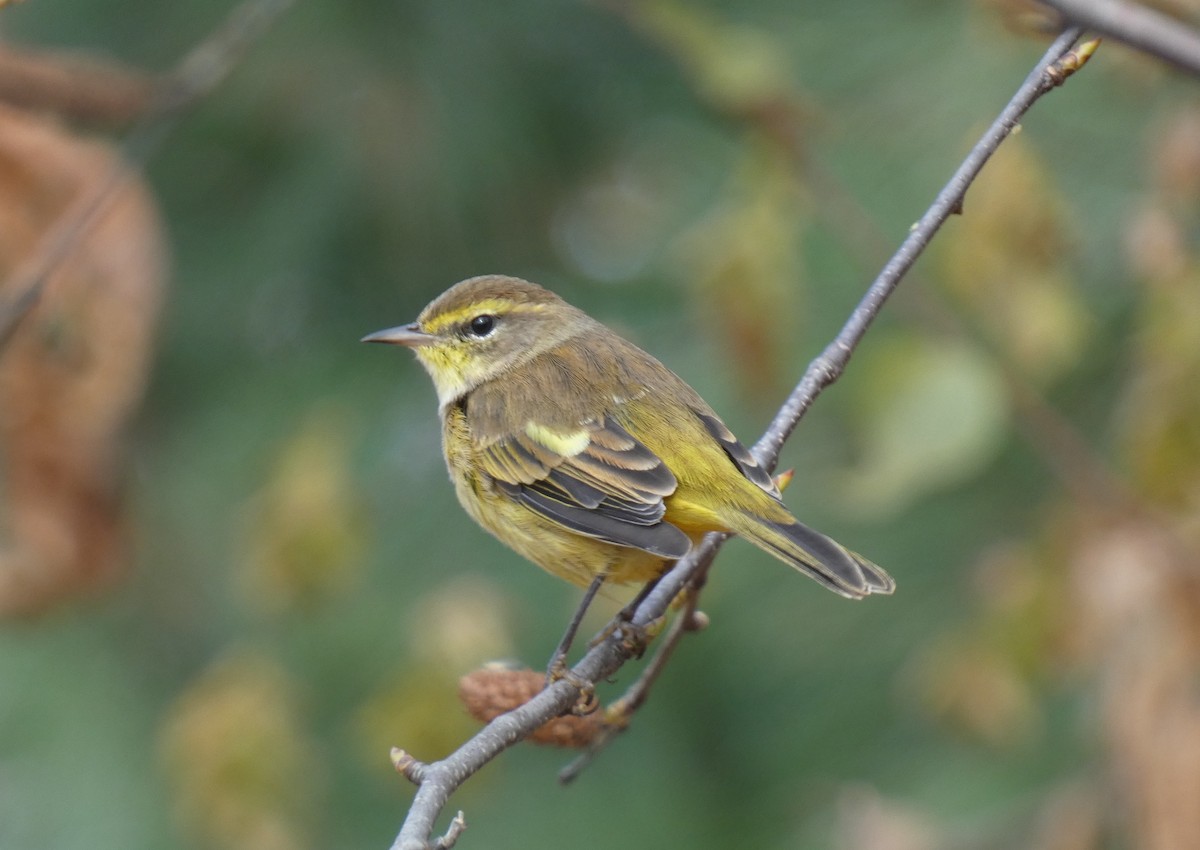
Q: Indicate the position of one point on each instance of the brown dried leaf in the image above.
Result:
(74, 372)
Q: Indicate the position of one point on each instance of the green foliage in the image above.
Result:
(294, 524)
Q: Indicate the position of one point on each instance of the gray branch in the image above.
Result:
(437, 781)
(1137, 26)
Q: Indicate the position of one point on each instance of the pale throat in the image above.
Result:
(452, 384)
(450, 387)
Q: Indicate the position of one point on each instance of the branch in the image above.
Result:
(620, 712)
(1050, 72)
(1142, 28)
(829, 366)
(437, 781)
(80, 88)
(197, 74)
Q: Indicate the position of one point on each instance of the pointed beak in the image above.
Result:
(410, 336)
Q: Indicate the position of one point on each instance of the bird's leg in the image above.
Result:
(635, 638)
(557, 668)
(629, 610)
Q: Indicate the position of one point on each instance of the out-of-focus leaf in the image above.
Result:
(244, 771)
(419, 711)
(981, 676)
(868, 821)
(742, 259)
(455, 628)
(1072, 818)
(1160, 410)
(73, 374)
(1118, 570)
(1137, 587)
(743, 267)
(1025, 17)
(930, 414)
(1155, 244)
(614, 225)
(1008, 262)
(306, 531)
(1175, 160)
(462, 623)
(735, 66)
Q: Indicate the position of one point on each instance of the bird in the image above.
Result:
(589, 457)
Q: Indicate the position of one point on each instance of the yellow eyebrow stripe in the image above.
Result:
(567, 445)
(495, 306)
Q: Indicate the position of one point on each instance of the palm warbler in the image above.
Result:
(588, 456)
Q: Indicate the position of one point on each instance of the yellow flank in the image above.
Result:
(694, 519)
(567, 445)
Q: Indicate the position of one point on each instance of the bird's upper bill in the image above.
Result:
(410, 336)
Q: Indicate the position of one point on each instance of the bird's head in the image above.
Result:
(482, 328)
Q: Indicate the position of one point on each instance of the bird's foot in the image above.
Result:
(634, 638)
(587, 701)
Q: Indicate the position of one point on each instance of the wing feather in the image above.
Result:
(737, 452)
(612, 489)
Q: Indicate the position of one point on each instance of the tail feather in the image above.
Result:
(821, 558)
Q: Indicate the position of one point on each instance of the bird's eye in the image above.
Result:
(481, 325)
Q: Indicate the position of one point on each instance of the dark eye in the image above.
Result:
(481, 325)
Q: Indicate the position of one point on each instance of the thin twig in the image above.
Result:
(197, 74)
(457, 826)
(440, 779)
(1055, 74)
(830, 364)
(1132, 23)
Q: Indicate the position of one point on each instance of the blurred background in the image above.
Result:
(234, 574)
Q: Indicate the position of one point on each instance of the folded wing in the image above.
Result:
(596, 480)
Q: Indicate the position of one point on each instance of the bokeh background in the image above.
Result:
(285, 588)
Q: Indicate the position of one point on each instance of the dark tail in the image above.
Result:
(817, 556)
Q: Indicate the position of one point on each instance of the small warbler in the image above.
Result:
(585, 454)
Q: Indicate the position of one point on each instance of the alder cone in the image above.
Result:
(493, 690)
(74, 372)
